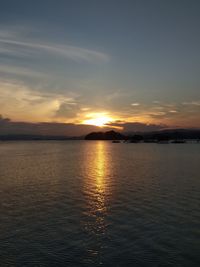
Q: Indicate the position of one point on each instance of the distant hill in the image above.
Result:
(169, 134)
(110, 135)
(173, 134)
(29, 137)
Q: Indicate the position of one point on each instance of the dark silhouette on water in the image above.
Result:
(110, 135)
(161, 137)
(136, 138)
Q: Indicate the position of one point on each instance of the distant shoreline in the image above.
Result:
(164, 136)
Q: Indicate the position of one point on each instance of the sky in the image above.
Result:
(100, 62)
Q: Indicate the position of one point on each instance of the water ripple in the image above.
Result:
(99, 204)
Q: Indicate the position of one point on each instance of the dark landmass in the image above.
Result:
(22, 137)
(156, 136)
(137, 137)
(173, 134)
(110, 135)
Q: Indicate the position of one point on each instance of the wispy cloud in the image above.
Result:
(173, 111)
(138, 126)
(135, 104)
(19, 71)
(16, 45)
(192, 103)
(22, 102)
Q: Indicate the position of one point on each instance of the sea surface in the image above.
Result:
(95, 203)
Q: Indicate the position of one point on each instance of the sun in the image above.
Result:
(98, 119)
(102, 121)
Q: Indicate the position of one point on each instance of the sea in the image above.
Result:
(98, 203)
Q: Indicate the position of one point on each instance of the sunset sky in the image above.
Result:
(102, 62)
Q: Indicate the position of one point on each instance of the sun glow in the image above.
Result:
(98, 119)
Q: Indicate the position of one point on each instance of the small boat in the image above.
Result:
(163, 142)
(178, 142)
(116, 141)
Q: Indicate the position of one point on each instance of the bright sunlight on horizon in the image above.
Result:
(98, 119)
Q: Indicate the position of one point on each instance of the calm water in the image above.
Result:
(79, 203)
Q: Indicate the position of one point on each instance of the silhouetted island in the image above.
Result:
(164, 136)
(110, 135)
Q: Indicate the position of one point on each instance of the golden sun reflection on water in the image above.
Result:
(96, 187)
(97, 180)
(100, 165)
